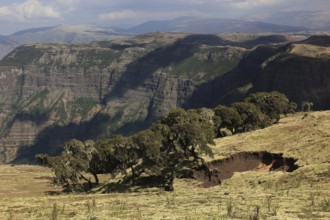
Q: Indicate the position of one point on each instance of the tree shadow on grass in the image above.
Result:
(139, 184)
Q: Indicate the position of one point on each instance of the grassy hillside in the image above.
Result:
(26, 192)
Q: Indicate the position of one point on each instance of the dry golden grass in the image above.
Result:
(309, 50)
(302, 194)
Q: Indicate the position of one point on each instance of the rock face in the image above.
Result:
(51, 93)
(300, 70)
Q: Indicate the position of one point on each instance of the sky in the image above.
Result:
(17, 15)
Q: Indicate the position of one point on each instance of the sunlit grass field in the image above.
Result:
(26, 192)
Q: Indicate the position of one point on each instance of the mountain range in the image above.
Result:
(87, 33)
(73, 34)
(212, 26)
(314, 20)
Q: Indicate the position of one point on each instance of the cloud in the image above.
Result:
(68, 2)
(248, 4)
(118, 15)
(68, 6)
(150, 9)
(139, 16)
(132, 12)
(28, 10)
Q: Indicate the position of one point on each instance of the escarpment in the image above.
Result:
(51, 93)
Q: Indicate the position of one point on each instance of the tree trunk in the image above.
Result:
(90, 184)
(133, 174)
(96, 178)
(168, 182)
(203, 165)
(169, 185)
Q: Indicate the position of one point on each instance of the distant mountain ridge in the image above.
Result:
(68, 34)
(77, 34)
(314, 20)
(212, 26)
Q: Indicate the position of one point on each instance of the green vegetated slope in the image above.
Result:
(52, 93)
(254, 194)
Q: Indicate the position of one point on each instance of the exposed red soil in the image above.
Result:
(244, 161)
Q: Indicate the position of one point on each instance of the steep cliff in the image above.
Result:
(51, 93)
(301, 70)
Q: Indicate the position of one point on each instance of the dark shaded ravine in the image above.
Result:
(244, 161)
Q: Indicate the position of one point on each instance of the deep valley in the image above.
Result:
(51, 93)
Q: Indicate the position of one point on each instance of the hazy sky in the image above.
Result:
(21, 14)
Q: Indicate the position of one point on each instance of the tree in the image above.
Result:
(42, 159)
(193, 139)
(157, 156)
(227, 117)
(272, 104)
(306, 106)
(183, 136)
(252, 117)
(72, 164)
(191, 133)
(178, 137)
(204, 115)
(178, 141)
(291, 108)
(67, 169)
(77, 159)
(178, 116)
(127, 152)
(103, 159)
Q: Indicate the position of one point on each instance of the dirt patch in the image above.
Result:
(245, 161)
